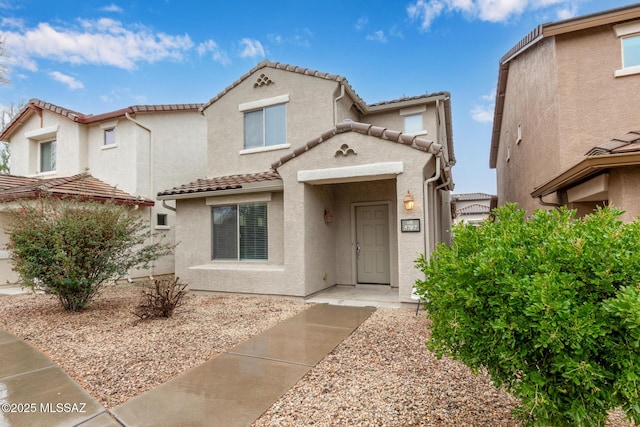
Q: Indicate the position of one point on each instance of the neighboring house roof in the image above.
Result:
(82, 185)
(618, 152)
(35, 106)
(541, 32)
(231, 182)
(365, 129)
(361, 105)
(466, 197)
(474, 209)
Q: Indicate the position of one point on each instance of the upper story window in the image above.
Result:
(629, 35)
(265, 127)
(413, 123)
(265, 124)
(631, 51)
(47, 156)
(110, 136)
(414, 119)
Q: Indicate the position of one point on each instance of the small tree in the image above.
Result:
(73, 247)
(550, 306)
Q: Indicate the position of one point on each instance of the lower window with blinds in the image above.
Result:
(240, 232)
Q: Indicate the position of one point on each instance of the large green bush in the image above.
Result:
(72, 247)
(549, 306)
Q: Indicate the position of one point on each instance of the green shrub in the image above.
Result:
(161, 299)
(72, 247)
(549, 305)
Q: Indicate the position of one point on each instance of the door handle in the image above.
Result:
(358, 250)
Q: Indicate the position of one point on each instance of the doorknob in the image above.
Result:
(358, 249)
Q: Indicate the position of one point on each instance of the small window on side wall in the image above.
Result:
(109, 137)
(47, 156)
(631, 51)
(162, 220)
(413, 123)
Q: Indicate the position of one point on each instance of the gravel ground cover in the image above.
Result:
(381, 375)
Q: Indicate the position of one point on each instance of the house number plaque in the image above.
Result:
(410, 225)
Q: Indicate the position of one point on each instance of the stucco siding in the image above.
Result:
(309, 112)
(531, 104)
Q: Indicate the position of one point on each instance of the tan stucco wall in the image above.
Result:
(193, 258)
(309, 113)
(623, 191)
(564, 94)
(530, 102)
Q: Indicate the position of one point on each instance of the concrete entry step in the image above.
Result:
(236, 387)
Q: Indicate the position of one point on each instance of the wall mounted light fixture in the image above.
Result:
(409, 203)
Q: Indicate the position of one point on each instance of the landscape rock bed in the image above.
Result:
(381, 375)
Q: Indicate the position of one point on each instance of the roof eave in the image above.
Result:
(252, 187)
(583, 169)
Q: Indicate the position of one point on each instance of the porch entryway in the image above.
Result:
(358, 296)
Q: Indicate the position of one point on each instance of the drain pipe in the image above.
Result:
(150, 163)
(428, 181)
(335, 105)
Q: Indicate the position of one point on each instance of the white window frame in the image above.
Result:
(164, 226)
(54, 157)
(626, 31)
(238, 234)
(108, 127)
(263, 104)
(413, 112)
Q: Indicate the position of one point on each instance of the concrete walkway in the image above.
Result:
(232, 389)
(34, 391)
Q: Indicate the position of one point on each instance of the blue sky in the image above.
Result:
(100, 56)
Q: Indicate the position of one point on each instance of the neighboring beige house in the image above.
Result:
(566, 102)
(137, 150)
(471, 208)
(306, 186)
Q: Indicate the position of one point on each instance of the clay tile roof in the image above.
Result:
(624, 144)
(365, 129)
(82, 185)
(36, 106)
(465, 197)
(229, 182)
(474, 209)
(286, 67)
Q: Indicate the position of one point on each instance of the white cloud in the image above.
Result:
(97, 42)
(377, 36)
(218, 55)
(483, 112)
(426, 11)
(112, 8)
(71, 82)
(362, 22)
(251, 49)
(300, 38)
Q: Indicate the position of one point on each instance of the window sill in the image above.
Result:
(47, 173)
(239, 265)
(264, 149)
(629, 71)
(162, 227)
(108, 147)
(418, 133)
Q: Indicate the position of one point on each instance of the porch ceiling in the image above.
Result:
(359, 173)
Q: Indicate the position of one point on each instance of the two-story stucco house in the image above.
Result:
(139, 150)
(471, 208)
(566, 102)
(307, 186)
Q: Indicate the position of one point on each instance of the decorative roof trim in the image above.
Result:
(412, 141)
